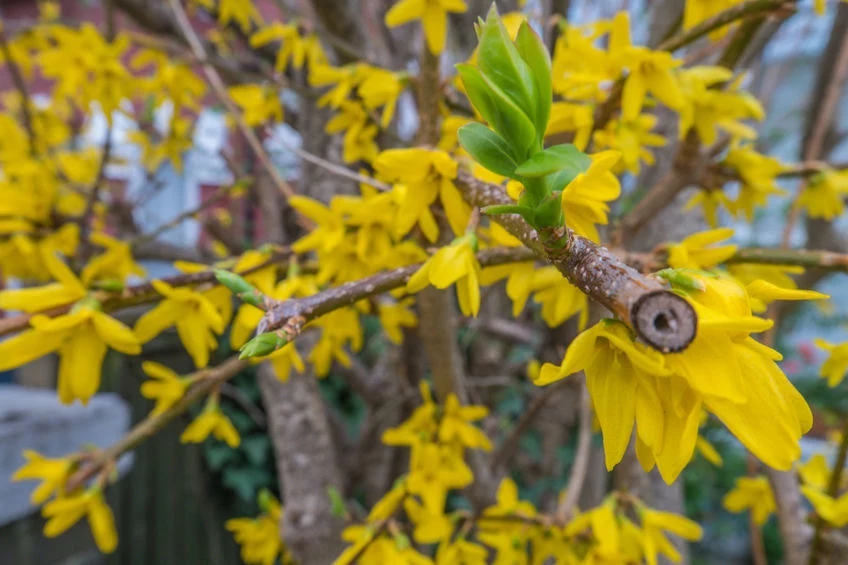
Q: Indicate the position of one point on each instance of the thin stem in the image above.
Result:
(832, 491)
(20, 85)
(223, 97)
(581, 460)
(207, 380)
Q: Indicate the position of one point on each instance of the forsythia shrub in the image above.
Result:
(515, 176)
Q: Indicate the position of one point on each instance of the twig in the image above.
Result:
(503, 453)
(581, 459)
(758, 548)
(218, 196)
(728, 16)
(332, 167)
(832, 491)
(294, 313)
(821, 123)
(20, 85)
(224, 98)
(94, 194)
(207, 380)
(242, 400)
(133, 295)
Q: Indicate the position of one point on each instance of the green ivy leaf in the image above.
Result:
(256, 448)
(218, 455)
(554, 159)
(498, 59)
(487, 148)
(501, 112)
(534, 52)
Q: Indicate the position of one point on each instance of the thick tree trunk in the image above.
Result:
(306, 465)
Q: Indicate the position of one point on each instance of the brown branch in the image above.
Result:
(661, 318)
(220, 90)
(684, 171)
(822, 121)
(581, 459)
(132, 295)
(207, 380)
(293, 314)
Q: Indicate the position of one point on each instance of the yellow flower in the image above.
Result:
(823, 195)
(242, 12)
(752, 493)
(456, 425)
(759, 179)
(569, 117)
(710, 201)
(393, 317)
(66, 290)
(650, 71)
(693, 252)
(167, 388)
(338, 328)
(220, 296)
(420, 426)
(435, 469)
(195, 317)
(709, 452)
(507, 502)
(211, 421)
(655, 542)
(380, 87)
(53, 473)
(615, 366)
(259, 537)
(427, 174)
(433, 15)
(709, 109)
(834, 511)
(81, 338)
(115, 263)
(284, 359)
(815, 473)
(461, 551)
(292, 47)
(836, 364)
(699, 10)
(431, 524)
(584, 199)
(258, 104)
(723, 370)
(632, 138)
(63, 513)
(762, 292)
(455, 263)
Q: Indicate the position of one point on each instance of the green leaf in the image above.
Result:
(534, 52)
(487, 148)
(218, 455)
(554, 159)
(501, 112)
(524, 211)
(337, 504)
(549, 212)
(256, 448)
(499, 60)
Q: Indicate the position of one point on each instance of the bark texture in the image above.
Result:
(306, 464)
